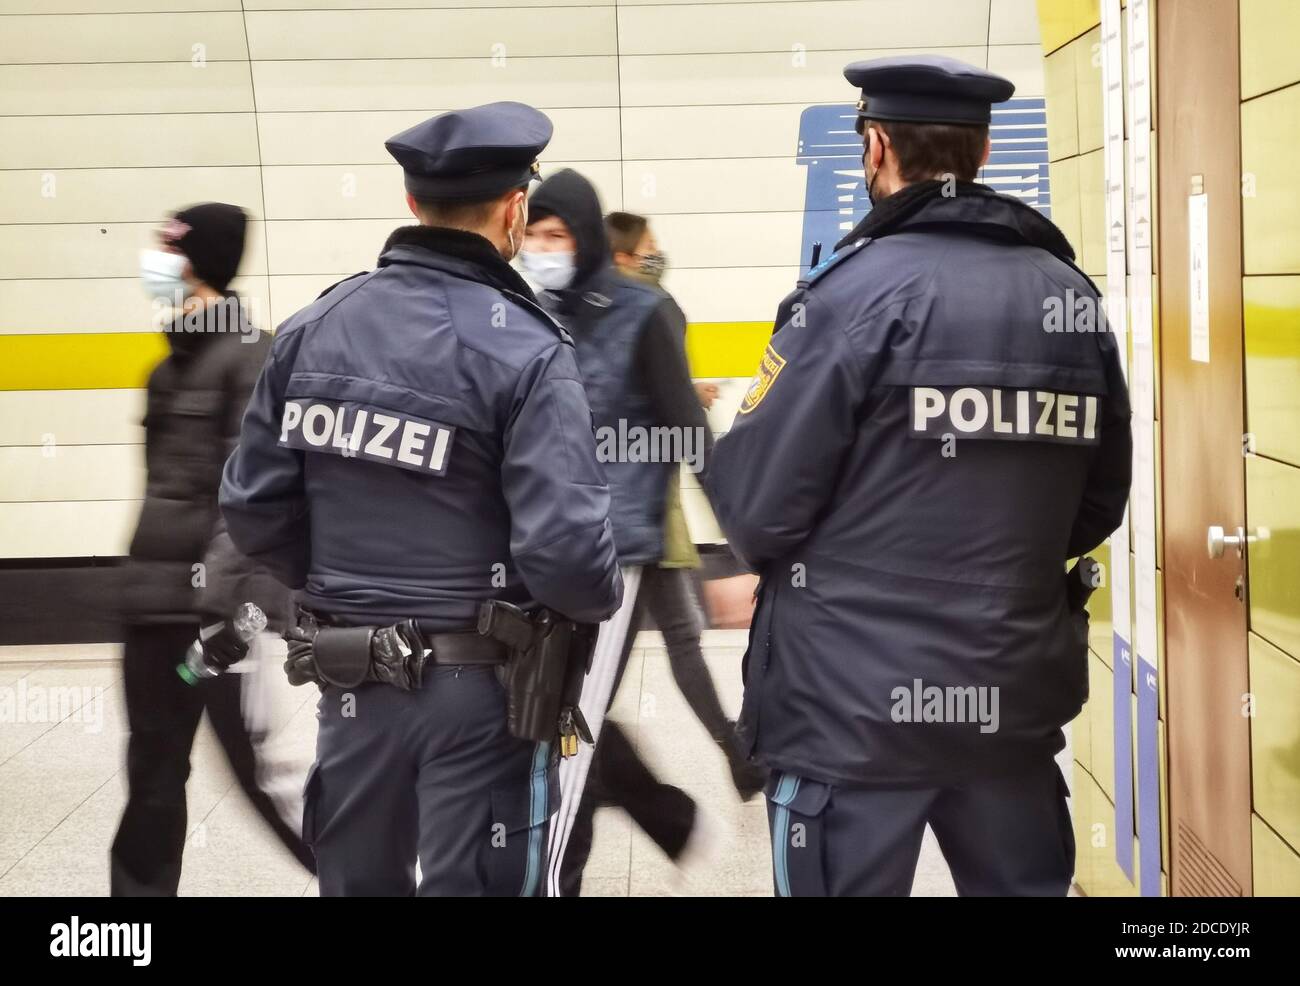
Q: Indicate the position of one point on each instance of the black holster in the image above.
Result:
(549, 657)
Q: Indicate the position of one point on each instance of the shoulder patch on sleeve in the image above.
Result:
(769, 368)
(836, 258)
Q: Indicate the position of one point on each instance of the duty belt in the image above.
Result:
(464, 647)
(449, 647)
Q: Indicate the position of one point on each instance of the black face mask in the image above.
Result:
(866, 154)
(871, 182)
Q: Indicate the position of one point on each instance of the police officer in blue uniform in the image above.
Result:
(939, 423)
(419, 443)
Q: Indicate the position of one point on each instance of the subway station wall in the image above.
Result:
(113, 112)
(1270, 143)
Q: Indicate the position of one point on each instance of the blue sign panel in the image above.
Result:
(835, 197)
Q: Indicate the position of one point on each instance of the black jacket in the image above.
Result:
(182, 567)
(918, 457)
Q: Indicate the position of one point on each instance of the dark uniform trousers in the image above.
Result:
(1003, 836)
(432, 774)
(164, 713)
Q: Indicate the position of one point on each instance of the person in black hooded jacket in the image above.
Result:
(630, 349)
(182, 570)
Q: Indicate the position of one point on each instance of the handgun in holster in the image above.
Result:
(549, 657)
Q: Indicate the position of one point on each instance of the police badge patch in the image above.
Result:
(769, 367)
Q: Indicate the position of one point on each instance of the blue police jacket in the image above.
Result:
(420, 441)
(939, 423)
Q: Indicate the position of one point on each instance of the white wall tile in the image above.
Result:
(128, 141)
(122, 195)
(104, 304)
(71, 417)
(408, 4)
(71, 472)
(714, 185)
(358, 137)
(113, 6)
(711, 131)
(1014, 22)
(191, 38)
(171, 87)
(831, 25)
(67, 528)
(416, 84)
(750, 239)
(1022, 64)
(375, 191)
(749, 79)
(94, 250)
(490, 33)
(731, 294)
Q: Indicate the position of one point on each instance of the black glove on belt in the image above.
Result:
(348, 656)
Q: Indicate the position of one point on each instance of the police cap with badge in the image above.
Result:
(926, 89)
(472, 154)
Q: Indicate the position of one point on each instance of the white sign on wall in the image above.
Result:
(1198, 282)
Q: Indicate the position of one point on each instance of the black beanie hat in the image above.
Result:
(211, 236)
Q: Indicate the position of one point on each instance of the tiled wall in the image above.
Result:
(1270, 119)
(1270, 144)
(688, 111)
(1071, 31)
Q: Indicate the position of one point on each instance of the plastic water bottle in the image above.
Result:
(249, 621)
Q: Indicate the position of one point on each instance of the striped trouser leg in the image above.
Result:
(597, 692)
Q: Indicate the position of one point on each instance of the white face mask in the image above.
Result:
(552, 271)
(510, 233)
(160, 273)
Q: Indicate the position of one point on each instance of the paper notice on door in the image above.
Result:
(1198, 235)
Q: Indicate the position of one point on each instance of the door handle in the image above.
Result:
(1217, 540)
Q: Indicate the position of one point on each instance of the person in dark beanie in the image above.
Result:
(183, 572)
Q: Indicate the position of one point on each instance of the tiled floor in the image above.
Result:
(62, 789)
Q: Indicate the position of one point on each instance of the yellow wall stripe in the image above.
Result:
(79, 360)
(107, 360)
(726, 349)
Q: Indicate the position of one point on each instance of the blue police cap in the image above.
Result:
(476, 153)
(926, 89)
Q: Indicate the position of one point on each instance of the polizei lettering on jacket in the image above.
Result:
(1005, 414)
(374, 434)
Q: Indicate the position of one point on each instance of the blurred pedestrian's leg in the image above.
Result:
(163, 713)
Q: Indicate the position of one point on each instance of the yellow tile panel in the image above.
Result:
(1062, 106)
(1276, 865)
(1270, 207)
(1269, 29)
(1087, 82)
(1063, 20)
(1273, 516)
(1272, 328)
(1275, 738)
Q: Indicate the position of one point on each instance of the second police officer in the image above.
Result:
(917, 458)
(419, 443)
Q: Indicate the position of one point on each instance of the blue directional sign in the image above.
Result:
(835, 199)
